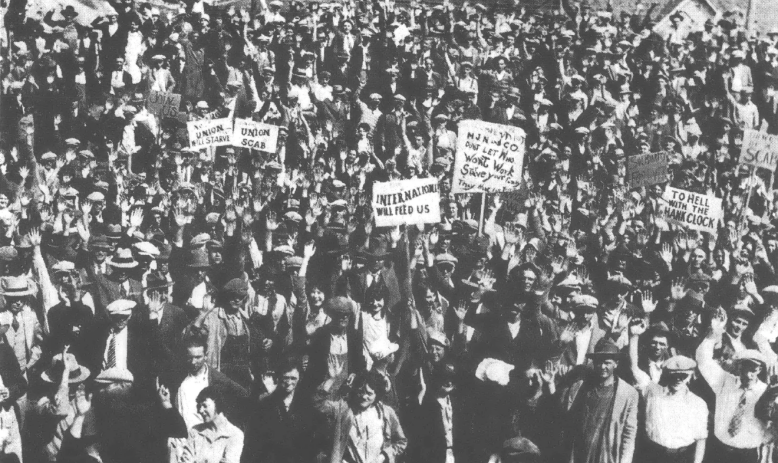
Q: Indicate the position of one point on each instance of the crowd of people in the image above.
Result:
(162, 302)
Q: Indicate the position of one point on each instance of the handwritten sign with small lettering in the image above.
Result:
(489, 158)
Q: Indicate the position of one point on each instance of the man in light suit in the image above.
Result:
(600, 411)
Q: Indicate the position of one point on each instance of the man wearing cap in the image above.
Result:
(738, 433)
(583, 332)
(118, 284)
(158, 78)
(389, 131)
(676, 420)
(235, 343)
(113, 342)
(601, 412)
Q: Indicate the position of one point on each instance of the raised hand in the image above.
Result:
(35, 237)
(647, 301)
(395, 234)
(86, 207)
(270, 222)
(637, 327)
(309, 249)
(136, 218)
(719, 322)
(678, 289)
(83, 402)
(666, 253)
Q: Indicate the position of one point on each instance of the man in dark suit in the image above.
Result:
(117, 285)
(390, 130)
(117, 80)
(115, 343)
(438, 420)
(166, 323)
(280, 424)
(355, 284)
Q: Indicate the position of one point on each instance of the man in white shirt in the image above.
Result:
(676, 420)
(739, 433)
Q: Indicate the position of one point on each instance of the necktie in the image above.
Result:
(110, 358)
(737, 417)
(123, 291)
(15, 323)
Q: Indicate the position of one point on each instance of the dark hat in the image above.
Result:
(339, 305)
(235, 287)
(604, 349)
(155, 280)
(519, 449)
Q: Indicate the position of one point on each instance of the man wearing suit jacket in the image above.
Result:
(118, 344)
(354, 285)
(280, 424)
(600, 411)
(166, 324)
(117, 285)
(583, 331)
(117, 80)
(439, 419)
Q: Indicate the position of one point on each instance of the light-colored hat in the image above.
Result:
(144, 248)
(122, 258)
(115, 375)
(96, 196)
(495, 371)
(751, 355)
(63, 266)
(121, 307)
(17, 287)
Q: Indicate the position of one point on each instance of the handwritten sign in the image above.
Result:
(163, 104)
(210, 132)
(406, 202)
(255, 135)
(489, 157)
(759, 150)
(646, 169)
(691, 210)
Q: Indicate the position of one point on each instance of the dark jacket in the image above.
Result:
(275, 435)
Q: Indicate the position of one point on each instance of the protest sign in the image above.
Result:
(406, 202)
(209, 132)
(489, 157)
(255, 135)
(163, 104)
(646, 169)
(759, 150)
(691, 210)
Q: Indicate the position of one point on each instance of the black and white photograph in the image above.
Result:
(388, 231)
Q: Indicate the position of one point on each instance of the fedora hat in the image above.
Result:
(17, 287)
(155, 281)
(76, 373)
(69, 12)
(122, 258)
(605, 349)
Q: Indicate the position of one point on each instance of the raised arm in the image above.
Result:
(709, 368)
